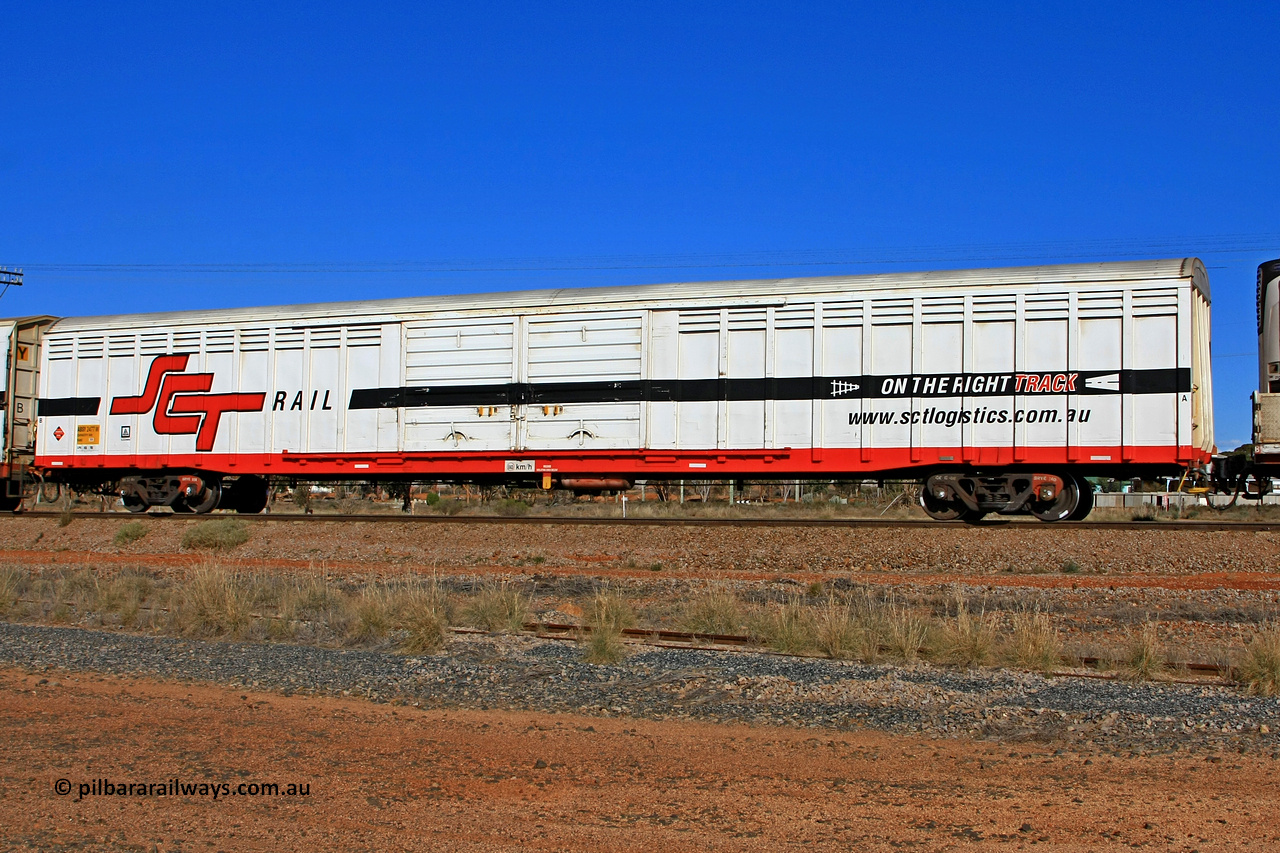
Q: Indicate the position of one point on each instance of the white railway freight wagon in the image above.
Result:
(1000, 389)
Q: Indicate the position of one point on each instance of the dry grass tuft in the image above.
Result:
(214, 601)
(1144, 660)
(715, 611)
(1033, 642)
(125, 594)
(905, 633)
(1259, 669)
(220, 534)
(12, 583)
(373, 614)
(604, 646)
(497, 607)
(838, 634)
(611, 611)
(422, 614)
(969, 639)
(610, 615)
(789, 628)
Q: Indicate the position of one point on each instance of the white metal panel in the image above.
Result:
(447, 353)
(746, 360)
(841, 356)
(941, 349)
(1044, 417)
(584, 348)
(891, 354)
(699, 353)
(793, 358)
(664, 364)
(992, 355)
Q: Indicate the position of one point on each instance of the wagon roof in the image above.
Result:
(769, 291)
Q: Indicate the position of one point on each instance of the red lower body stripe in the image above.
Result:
(690, 464)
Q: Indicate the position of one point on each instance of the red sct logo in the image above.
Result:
(181, 404)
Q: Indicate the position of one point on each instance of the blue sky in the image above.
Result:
(164, 156)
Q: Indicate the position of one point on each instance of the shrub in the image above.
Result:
(498, 608)
(432, 498)
(218, 535)
(1033, 642)
(511, 508)
(449, 506)
(301, 495)
(1143, 659)
(1259, 670)
(130, 533)
(716, 611)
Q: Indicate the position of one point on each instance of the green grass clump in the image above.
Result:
(1259, 670)
(220, 534)
(130, 533)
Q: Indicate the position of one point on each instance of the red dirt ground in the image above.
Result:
(399, 778)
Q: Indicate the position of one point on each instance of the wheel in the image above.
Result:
(48, 493)
(203, 502)
(1085, 505)
(10, 503)
(249, 495)
(1061, 507)
(972, 516)
(133, 503)
(942, 510)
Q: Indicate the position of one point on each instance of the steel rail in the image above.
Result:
(986, 524)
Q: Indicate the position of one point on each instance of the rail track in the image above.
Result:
(643, 521)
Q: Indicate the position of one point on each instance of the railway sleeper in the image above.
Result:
(969, 496)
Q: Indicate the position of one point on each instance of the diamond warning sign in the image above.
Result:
(58, 433)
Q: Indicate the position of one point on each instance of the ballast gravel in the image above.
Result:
(524, 673)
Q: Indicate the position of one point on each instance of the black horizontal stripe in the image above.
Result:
(896, 386)
(55, 407)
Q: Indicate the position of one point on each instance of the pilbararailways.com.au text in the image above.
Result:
(979, 415)
(176, 787)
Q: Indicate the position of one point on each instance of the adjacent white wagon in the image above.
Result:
(1000, 388)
